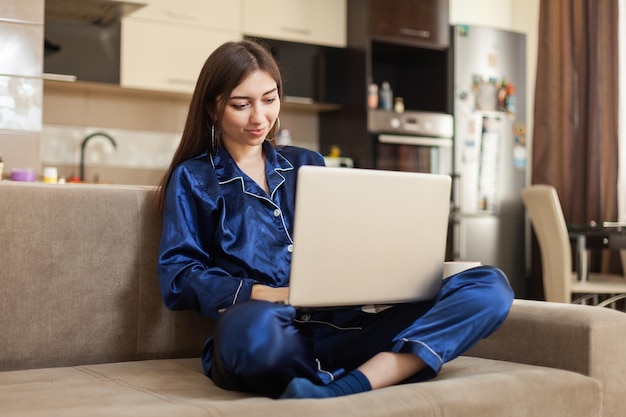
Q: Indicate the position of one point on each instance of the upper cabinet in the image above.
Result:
(165, 44)
(21, 49)
(214, 14)
(22, 10)
(154, 57)
(21, 39)
(321, 22)
(420, 22)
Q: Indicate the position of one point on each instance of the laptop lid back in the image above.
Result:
(368, 236)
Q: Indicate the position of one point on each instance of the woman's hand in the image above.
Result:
(274, 295)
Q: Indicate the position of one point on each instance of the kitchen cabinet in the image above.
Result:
(214, 14)
(21, 38)
(165, 44)
(321, 22)
(158, 56)
(21, 49)
(22, 10)
(416, 68)
(21, 86)
(423, 22)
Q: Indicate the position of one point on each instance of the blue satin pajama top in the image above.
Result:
(222, 233)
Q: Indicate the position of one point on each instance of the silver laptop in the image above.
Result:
(368, 236)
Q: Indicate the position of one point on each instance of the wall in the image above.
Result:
(145, 125)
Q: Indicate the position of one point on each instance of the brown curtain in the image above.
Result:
(575, 138)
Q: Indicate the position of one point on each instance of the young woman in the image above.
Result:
(228, 209)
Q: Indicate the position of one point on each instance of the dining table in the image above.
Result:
(594, 236)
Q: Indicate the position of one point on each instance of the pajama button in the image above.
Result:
(276, 212)
(290, 248)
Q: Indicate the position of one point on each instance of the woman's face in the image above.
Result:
(250, 111)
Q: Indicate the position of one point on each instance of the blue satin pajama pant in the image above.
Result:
(260, 346)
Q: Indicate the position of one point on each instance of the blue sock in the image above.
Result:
(353, 383)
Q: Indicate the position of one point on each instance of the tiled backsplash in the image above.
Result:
(135, 149)
(146, 126)
(20, 103)
(141, 157)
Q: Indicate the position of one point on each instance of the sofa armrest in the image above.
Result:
(584, 339)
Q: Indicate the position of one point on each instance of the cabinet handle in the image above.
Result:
(181, 81)
(415, 32)
(68, 78)
(299, 100)
(181, 15)
(415, 140)
(297, 31)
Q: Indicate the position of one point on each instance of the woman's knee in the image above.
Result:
(499, 287)
(488, 287)
(255, 335)
(257, 348)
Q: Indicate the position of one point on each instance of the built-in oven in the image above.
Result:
(415, 142)
(412, 141)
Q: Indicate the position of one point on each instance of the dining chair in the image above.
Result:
(560, 282)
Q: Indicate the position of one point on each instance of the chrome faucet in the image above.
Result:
(82, 150)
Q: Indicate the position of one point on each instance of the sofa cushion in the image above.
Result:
(177, 387)
(79, 278)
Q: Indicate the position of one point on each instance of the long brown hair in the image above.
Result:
(223, 70)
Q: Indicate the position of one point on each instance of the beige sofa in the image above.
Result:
(84, 332)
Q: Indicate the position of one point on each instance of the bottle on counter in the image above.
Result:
(386, 96)
(372, 96)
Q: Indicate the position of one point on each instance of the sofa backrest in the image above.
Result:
(78, 278)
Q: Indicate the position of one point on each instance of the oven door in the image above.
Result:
(414, 153)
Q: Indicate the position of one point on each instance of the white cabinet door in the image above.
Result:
(21, 49)
(216, 14)
(320, 22)
(23, 10)
(158, 56)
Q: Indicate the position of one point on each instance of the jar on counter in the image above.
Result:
(398, 105)
(23, 174)
(50, 175)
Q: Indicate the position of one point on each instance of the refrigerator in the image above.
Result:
(487, 82)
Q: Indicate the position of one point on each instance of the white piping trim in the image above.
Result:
(237, 292)
(425, 345)
(328, 324)
(269, 200)
(243, 188)
(289, 168)
(319, 369)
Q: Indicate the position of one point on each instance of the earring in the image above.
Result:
(275, 128)
(213, 141)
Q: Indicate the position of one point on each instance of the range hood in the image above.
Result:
(99, 12)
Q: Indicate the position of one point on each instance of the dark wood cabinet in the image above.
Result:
(422, 22)
(378, 51)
